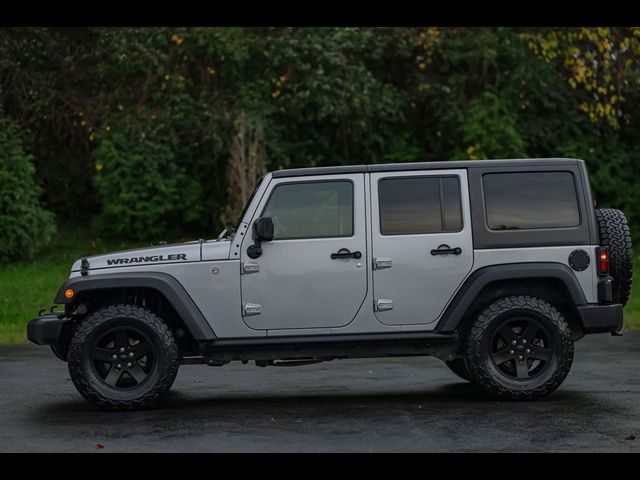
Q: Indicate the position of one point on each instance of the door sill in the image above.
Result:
(336, 338)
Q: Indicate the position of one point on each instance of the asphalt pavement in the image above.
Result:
(378, 405)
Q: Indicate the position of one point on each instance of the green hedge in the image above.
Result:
(131, 128)
(24, 225)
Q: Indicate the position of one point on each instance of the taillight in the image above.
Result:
(603, 260)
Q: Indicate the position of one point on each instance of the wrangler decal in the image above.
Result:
(150, 258)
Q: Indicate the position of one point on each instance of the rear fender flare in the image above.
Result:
(473, 285)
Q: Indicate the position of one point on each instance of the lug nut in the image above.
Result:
(129, 365)
(122, 349)
(130, 354)
(520, 357)
(513, 342)
(511, 352)
(114, 356)
(119, 366)
(524, 340)
(528, 350)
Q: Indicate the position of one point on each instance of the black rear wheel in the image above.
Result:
(519, 348)
(123, 357)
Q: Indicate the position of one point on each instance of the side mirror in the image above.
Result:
(262, 232)
(263, 229)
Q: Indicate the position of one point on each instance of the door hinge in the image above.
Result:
(381, 262)
(382, 304)
(251, 309)
(249, 267)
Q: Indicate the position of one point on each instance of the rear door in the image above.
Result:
(422, 243)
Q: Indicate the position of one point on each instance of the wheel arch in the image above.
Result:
(109, 285)
(553, 282)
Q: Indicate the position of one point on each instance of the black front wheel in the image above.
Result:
(123, 357)
(519, 348)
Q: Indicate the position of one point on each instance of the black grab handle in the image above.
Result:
(346, 253)
(445, 250)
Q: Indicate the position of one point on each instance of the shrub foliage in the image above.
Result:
(136, 128)
(24, 224)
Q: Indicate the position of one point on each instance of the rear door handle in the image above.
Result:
(346, 253)
(446, 250)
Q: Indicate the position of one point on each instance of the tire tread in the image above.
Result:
(474, 356)
(81, 336)
(615, 234)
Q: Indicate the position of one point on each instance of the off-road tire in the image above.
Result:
(101, 322)
(615, 234)
(482, 367)
(459, 367)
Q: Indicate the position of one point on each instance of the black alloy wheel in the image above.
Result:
(123, 358)
(520, 348)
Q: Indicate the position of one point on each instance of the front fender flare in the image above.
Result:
(473, 285)
(164, 283)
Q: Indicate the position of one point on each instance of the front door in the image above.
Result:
(313, 274)
(422, 243)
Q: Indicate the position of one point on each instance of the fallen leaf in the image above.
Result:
(630, 437)
(99, 446)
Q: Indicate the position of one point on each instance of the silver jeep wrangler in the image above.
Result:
(495, 267)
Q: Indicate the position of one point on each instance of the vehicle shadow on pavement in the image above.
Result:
(450, 397)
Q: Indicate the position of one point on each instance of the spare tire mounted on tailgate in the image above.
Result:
(615, 234)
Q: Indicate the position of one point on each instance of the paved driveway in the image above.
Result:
(412, 404)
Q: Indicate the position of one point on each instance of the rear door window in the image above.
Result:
(417, 205)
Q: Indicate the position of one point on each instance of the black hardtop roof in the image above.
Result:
(399, 167)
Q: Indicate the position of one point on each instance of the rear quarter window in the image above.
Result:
(530, 200)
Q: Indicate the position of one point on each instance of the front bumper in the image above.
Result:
(601, 318)
(47, 329)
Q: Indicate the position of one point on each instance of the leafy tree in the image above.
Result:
(164, 103)
(24, 225)
(489, 128)
(600, 63)
(143, 191)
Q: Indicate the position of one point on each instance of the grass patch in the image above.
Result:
(27, 287)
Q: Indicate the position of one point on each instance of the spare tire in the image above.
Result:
(615, 234)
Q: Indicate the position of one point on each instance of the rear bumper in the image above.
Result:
(47, 329)
(601, 318)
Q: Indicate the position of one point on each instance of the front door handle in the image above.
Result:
(346, 253)
(446, 250)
